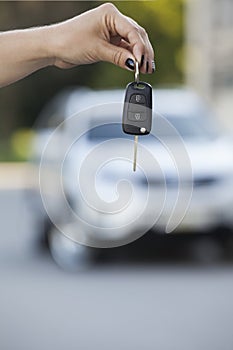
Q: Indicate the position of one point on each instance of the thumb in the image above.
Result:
(118, 56)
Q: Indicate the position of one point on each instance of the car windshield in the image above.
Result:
(189, 128)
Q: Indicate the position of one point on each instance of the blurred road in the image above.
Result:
(164, 304)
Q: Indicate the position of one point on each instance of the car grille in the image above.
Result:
(173, 182)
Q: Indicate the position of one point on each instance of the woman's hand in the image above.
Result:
(101, 34)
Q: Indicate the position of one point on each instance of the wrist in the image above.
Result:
(54, 42)
(45, 49)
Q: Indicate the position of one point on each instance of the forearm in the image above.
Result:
(23, 52)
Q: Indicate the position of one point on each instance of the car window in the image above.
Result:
(106, 131)
(188, 128)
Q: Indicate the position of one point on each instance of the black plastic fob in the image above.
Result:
(137, 112)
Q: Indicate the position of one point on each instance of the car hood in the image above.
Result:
(215, 157)
(199, 158)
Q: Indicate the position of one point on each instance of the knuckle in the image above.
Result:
(117, 57)
(143, 32)
(109, 7)
(137, 29)
(134, 24)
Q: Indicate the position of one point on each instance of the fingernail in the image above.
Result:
(142, 61)
(147, 66)
(153, 66)
(130, 63)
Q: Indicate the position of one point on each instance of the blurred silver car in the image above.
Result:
(186, 152)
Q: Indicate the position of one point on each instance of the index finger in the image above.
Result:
(134, 34)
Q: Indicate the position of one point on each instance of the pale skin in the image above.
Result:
(101, 34)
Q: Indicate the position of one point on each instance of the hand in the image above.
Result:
(101, 34)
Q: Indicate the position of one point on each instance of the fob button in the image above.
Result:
(137, 116)
(137, 98)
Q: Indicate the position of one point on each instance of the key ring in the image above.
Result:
(136, 74)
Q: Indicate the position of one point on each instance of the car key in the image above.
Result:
(137, 112)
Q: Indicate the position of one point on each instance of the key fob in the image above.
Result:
(137, 112)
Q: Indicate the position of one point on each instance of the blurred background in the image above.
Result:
(199, 55)
(169, 292)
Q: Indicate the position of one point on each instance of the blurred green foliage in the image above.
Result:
(21, 102)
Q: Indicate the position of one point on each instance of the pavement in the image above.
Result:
(173, 302)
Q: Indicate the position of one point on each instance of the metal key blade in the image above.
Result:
(135, 152)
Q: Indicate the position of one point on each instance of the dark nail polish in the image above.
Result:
(147, 66)
(130, 63)
(142, 61)
(153, 66)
